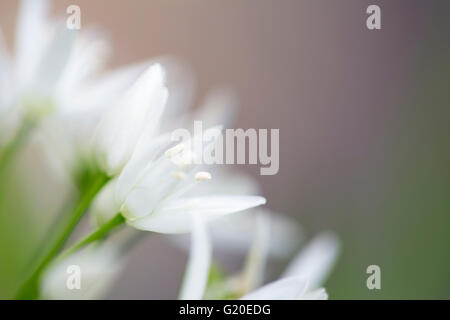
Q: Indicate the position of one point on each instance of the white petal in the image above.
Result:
(285, 289)
(96, 96)
(82, 108)
(140, 109)
(174, 217)
(154, 186)
(30, 37)
(181, 85)
(197, 269)
(145, 154)
(316, 260)
(154, 180)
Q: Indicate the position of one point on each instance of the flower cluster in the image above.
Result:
(113, 136)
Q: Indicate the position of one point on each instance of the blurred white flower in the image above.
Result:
(42, 53)
(302, 277)
(235, 234)
(55, 77)
(152, 177)
(96, 266)
(305, 273)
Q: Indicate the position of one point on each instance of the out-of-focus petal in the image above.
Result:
(235, 234)
(120, 130)
(285, 289)
(146, 152)
(88, 56)
(255, 265)
(181, 84)
(54, 60)
(97, 267)
(316, 260)
(31, 32)
(97, 95)
(81, 108)
(149, 182)
(174, 217)
(197, 269)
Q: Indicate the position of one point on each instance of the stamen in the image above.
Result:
(203, 175)
(172, 152)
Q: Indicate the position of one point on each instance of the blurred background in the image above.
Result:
(363, 118)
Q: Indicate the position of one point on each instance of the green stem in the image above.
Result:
(30, 288)
(98, 234)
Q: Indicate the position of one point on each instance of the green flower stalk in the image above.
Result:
(29, 289)
(98, 234)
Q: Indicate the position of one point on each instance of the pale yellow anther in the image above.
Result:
(179, 175)
(172, 152)
(203, 175)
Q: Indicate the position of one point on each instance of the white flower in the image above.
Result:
(93, 270)
(136, 115)
(304, 275)
(153, 198)
(55, 72)
(150, 191)
(301, 279)
(235, 234)
(42, 52)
